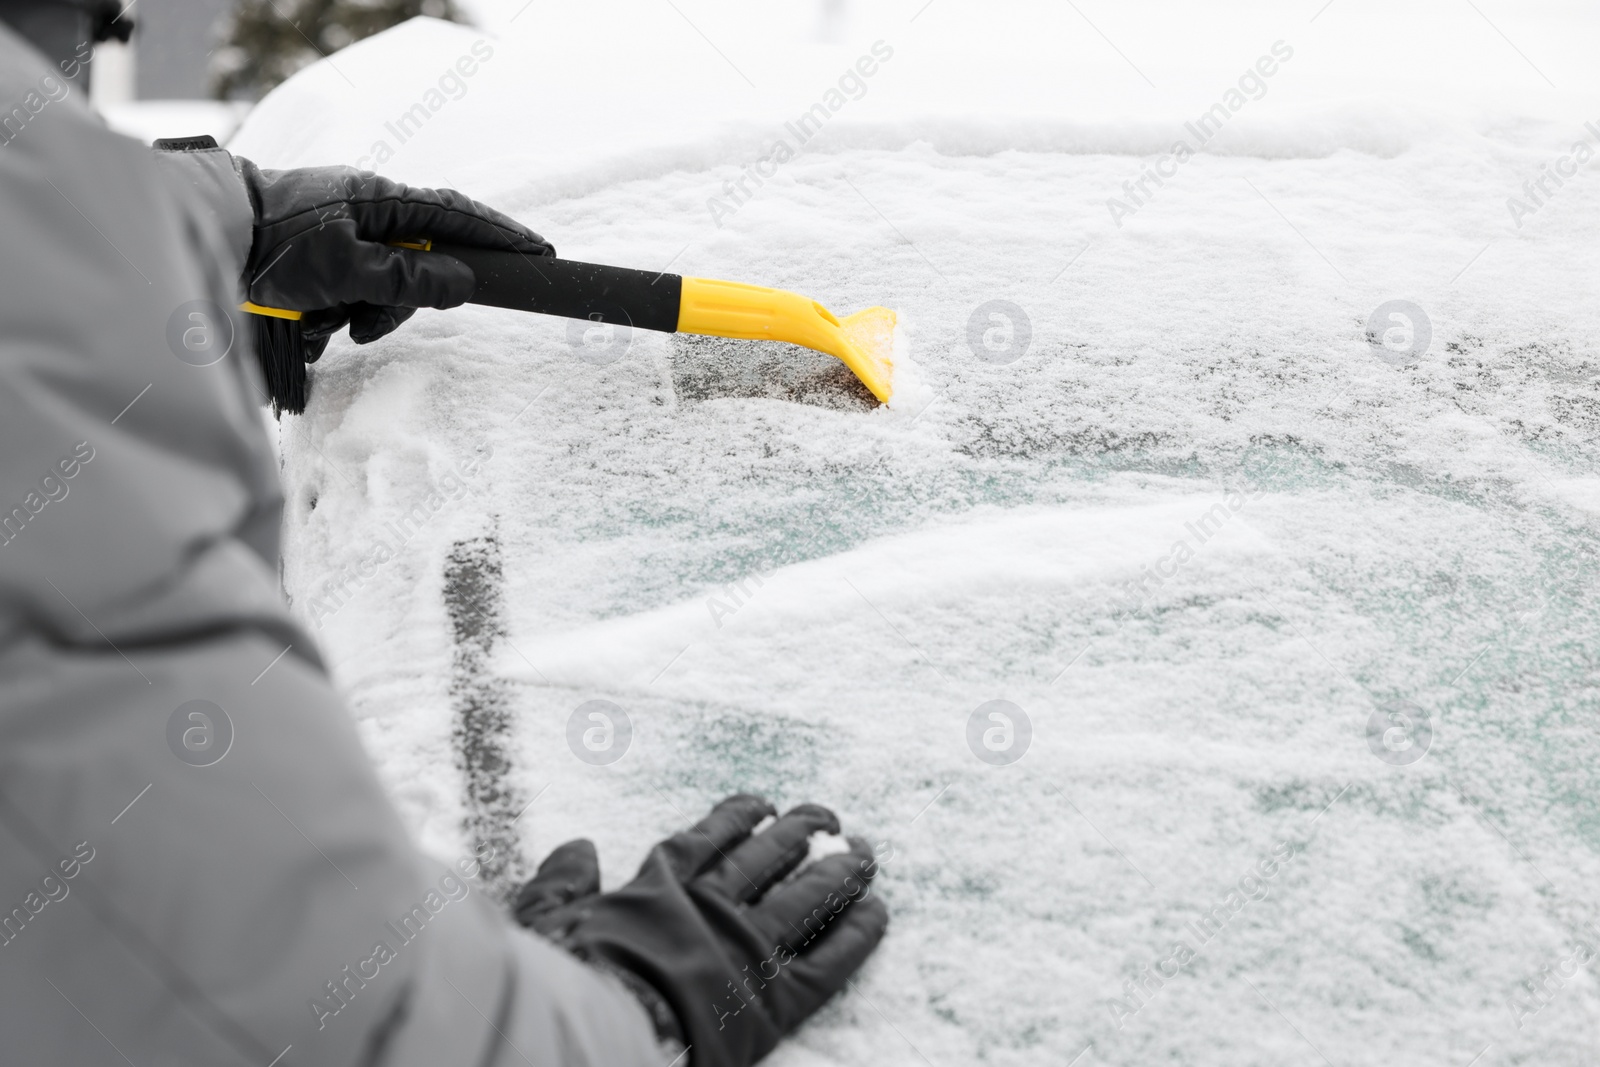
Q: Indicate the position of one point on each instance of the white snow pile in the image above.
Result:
(1237, 538)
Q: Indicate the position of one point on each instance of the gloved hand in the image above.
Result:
(739, 954)
(320, 247)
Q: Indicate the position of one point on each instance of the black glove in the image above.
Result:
(740, 955)
(320, 247)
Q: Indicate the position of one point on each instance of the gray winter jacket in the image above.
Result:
(197, 863)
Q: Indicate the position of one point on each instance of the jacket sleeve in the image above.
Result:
(197, 862)
(209, 179)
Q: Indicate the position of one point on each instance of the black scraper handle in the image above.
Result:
(645, 300)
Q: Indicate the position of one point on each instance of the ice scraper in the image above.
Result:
(647, 300)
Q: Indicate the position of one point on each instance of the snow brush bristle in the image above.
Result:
(281, 349)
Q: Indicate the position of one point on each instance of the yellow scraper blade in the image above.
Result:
(863, 341)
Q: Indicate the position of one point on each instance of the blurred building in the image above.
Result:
(172, 48)
(159, 85)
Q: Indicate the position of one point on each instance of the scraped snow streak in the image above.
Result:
(494, 519)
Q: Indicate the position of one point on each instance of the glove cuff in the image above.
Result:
(669, 1032)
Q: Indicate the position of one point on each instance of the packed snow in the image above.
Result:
(1239, 541)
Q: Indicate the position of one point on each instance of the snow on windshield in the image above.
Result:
(1256, 482)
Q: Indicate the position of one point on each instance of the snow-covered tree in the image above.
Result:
(268, 40)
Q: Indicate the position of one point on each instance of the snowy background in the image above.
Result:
(787, 590)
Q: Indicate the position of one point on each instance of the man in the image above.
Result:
(197, 863)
